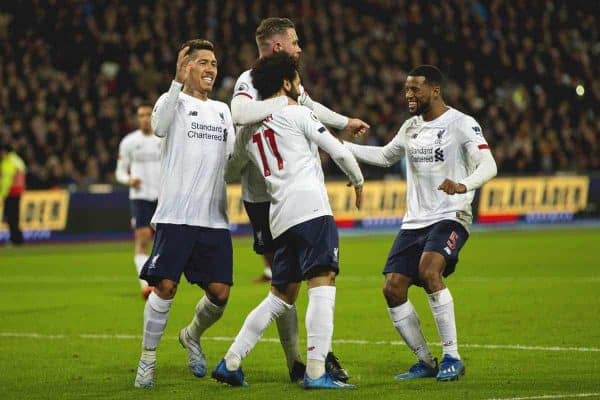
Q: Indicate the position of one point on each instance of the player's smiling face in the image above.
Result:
(203, 71)
(418, 95)
(289, 43)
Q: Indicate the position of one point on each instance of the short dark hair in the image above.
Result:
(272, 26)
(432, 74)
(144, 103)
(268, 73)
(198, 44)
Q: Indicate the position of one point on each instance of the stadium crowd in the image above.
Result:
(72, 72)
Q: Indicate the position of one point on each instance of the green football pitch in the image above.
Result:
(527, 306)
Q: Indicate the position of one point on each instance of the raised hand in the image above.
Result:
(183, 59)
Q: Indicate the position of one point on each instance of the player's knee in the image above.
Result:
(394, 295)
(166, 289)
(218, 294)
(430, 276)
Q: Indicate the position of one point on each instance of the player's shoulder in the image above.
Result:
(219, 105)
(244, 82)
(410, 124)
(298, 111)
(131, 136)
(462, 121)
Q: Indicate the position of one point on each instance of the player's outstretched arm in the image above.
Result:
(246, 111)
(331, 118)
(345, 160)
(164, 109)
(385, 156)
(381, 156)
(339, 154)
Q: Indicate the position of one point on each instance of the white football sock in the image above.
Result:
(139, 260)
(442, 307)
(207, 313)
(287, 326)
(319, 328)
(254, 326)
(406, 321)
(156, 315)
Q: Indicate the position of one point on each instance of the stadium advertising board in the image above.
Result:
(382, 200)
(58, 214)
(43, 210)
(537, 199)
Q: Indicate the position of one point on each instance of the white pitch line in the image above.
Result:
(110, 336)
(550, 396)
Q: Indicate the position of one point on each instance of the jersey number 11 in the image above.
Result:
(269, 136)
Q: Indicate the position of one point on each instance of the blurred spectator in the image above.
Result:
(72, 72)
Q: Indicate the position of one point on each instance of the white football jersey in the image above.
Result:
(254, 189)
(436, 150)
(284, 150)
(192, 186)
(139, 157)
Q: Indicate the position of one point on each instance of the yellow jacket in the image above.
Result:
(12, 175)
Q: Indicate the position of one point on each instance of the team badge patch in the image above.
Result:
(243, 87)
(314, 117)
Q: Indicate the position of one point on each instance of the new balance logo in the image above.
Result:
(193, 113)
(439, 154)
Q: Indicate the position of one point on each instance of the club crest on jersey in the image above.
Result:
(222, 116)
(439, 136)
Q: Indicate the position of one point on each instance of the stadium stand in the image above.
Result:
(73, 71)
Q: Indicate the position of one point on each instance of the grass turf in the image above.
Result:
(534, 288)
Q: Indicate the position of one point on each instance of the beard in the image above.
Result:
(422, 107)
(292, 94)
